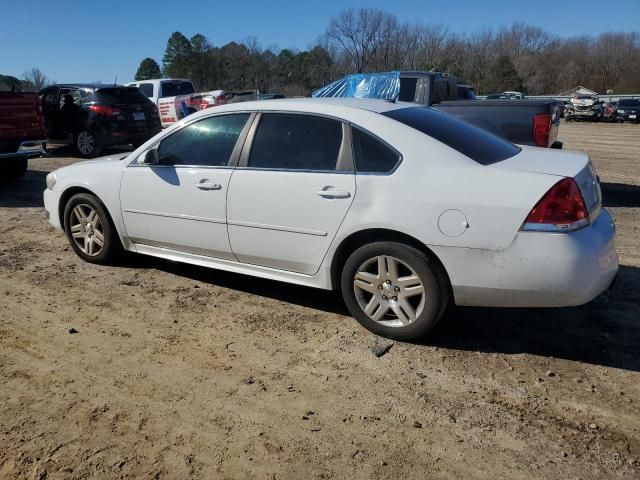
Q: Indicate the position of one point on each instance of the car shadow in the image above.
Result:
(315, 298)
(606, 332)
(26, 192)
(620, 195)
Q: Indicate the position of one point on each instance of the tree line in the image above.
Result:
(517, 57)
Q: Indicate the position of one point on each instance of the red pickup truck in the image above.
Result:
(22, 133)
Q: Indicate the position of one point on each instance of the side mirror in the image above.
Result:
(151, 157)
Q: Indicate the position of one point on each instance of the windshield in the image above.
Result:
(477, 144)
(120, 95)
(173, 89)
(628, 103)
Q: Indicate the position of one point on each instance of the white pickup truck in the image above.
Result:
(163, 92)
(170, 93)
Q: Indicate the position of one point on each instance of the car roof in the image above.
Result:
(325, 103)
(87, 85)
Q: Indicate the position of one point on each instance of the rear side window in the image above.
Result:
(408, 89)
(371, 155)
(208, 142)
(120, 96)
(173, 89)
(296, 142)
(477, 144)
(146, 89)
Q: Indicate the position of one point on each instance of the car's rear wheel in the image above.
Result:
(394, 290)
(87, 144)
(89, 229)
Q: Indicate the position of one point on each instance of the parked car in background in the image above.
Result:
(628, 110)
(609, 111)
(93, 116)
(505, 96)
(583, 108)
(401, 207)
(22, 134)
(525, 122)
(271, 96)
(163, 93)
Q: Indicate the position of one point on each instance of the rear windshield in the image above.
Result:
(120, 95)
(628, 103)
(173, 89)
(477, 144)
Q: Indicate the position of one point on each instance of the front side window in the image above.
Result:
(146, 89)
(371, 155)
(73, 92)
(296, 142)
(208, 142)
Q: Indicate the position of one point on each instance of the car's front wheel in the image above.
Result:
(87, 144)
(394, 290)
(89, 229)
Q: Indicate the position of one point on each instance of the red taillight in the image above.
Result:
(104, 110)
(221, 100)
(562, 208)
(542, 129)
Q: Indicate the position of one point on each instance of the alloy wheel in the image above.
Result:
(389, 291)
(86, 229)
(86, 143)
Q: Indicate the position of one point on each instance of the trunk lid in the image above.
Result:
(559, 163)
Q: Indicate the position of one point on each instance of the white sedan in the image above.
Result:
(403, 208)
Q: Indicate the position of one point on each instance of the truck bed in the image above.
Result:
(20, 120)
(510, 119)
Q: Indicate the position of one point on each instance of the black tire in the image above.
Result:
(111, 242)
(433, 280)
(87, 143)
(13, 169)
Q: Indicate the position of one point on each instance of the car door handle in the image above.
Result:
(333, 193)
(208, 186)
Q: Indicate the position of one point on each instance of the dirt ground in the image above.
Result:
(182, 372)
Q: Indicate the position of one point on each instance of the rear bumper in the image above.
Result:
(627, 117)
(537, 269)
(27, 149)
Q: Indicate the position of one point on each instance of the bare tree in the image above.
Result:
(34, 79)
(355, 34)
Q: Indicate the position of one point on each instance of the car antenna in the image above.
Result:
(115, 80)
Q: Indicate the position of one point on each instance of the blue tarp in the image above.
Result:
(363, 85)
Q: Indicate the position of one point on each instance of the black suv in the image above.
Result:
(628, 110)
(93, 116)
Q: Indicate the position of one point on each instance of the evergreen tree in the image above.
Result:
(177, 56)
(502, 76)
(200, 67)
(148, 69)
